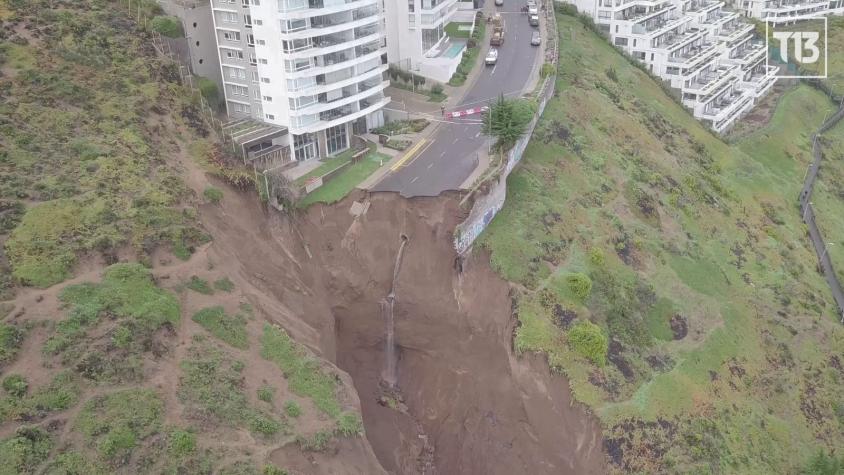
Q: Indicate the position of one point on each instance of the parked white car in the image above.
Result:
(536, 39)
(499, 3)
(491, 57)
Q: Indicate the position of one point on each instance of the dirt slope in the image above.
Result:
(469, 405)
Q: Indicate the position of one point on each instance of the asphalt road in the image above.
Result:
(451, 154)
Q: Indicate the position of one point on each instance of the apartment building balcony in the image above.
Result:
(328, 29)
(348, 95)
(656, 28)
(672, 40)
(331, 63)
(795, 8)
(643, 14)
(707, 82)
(760, 81)
(748, 53)
(329, 44)
(321, 85)
(735, 31)
(348, 113)
(619, 5)
(694, 55)
(297, 9)
(726, 109)
(703, 6)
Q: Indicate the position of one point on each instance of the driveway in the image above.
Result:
(451, 155)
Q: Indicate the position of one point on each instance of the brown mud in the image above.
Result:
(464, 402)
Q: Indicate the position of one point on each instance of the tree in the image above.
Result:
(589, 340)
(507, 121)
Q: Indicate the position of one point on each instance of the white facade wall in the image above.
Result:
(315, 67)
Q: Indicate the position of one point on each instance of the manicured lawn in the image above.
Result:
(327, 166)
(339, 186)
(458, 30)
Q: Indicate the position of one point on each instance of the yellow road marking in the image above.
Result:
(410, 153)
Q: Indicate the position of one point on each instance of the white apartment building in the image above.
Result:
(786, 11)
(416, 37)
(709, 54)
(313, 68)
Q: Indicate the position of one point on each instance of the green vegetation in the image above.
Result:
(305, 376)
(720, 339)
(168, 26)
(224, 284)
(230, 329)
(115, 424)
(266, 394)
(24, 451)
(199, 285)
(79, 103)
(292, 409)
(398, 127)
(507, 120)
(346, 181)
(823, 464)
(11, 338)
(181, 443)
(16, 385)
(137, 309)
(470, 54)
(213, 194)
(271, 469)
(61, 393)
(458, 30)
(588, 340)
(349, 424)
(211, 385)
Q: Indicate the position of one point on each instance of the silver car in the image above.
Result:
(535, 39)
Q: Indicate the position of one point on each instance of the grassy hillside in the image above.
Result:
(716, 348)
(111, 374)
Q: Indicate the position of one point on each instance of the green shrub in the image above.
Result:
(292, 409)
(316, 443)
(181, 443)
(547, 70)
(11, 338)
(271, 469)
(24, 451)
(212, 194)
(199, 285)
(115, 423)
(580, 285)
(266, 393)
(209, 90)
(437, 89)
(349, 424)
(589, 340)
(230, 329)
(168, 26)
(16, 385)
(224, 284)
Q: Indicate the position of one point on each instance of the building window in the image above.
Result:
(262, 42)
(262, 60)
(253, 60)
(621, 41)
(336, 139)
(267, 98)
(304, 146)
(258, 22)
(230, 17)
(238, 90)
(235, 73)
(431, 36)
(254, 76)
(270, 117)
(231, 35)
(233, 54)
(411, 5)
(265, 80)
(247, 21)
(250, 39)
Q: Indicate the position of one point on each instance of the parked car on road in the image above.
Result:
(491, 57)
(532, 10)
(533, 20)
(535, 39)
(499, 3)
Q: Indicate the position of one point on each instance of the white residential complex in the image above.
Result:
(785, 11)
(709, 54)
(416, 37)
(313, 68)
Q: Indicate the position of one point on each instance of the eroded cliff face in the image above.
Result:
(464, 403)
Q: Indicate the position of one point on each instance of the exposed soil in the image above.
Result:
(469, 405)
(679, 326)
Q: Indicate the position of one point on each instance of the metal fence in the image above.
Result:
(820, 245)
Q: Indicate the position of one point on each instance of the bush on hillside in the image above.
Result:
(589, 341)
